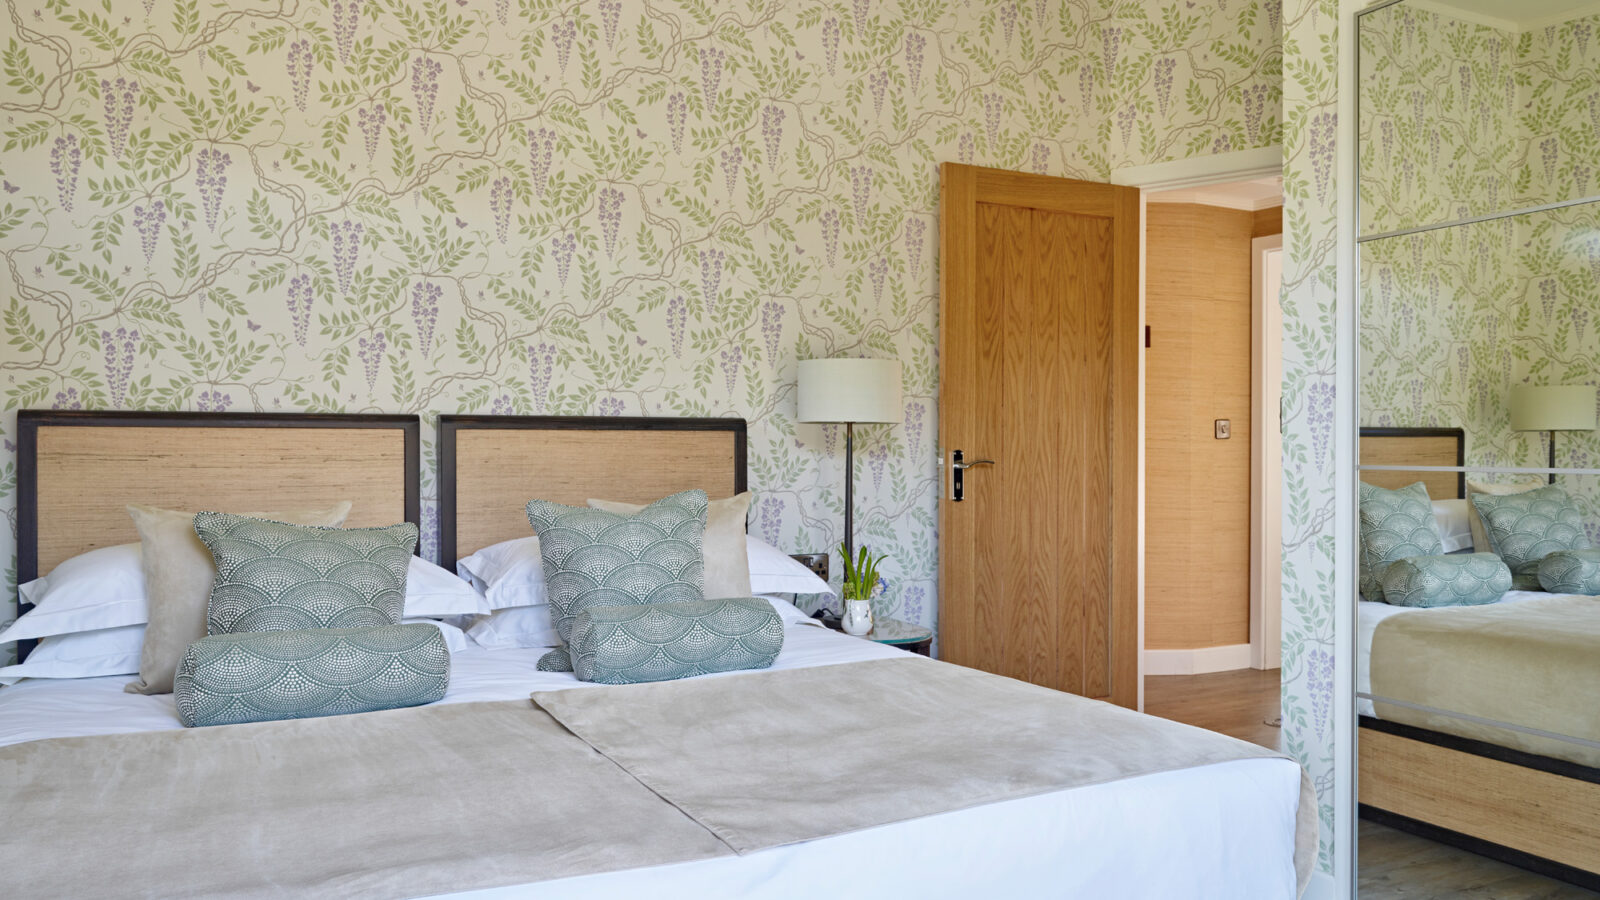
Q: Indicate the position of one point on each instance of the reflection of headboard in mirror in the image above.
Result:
(491, 466)
(1416, 447)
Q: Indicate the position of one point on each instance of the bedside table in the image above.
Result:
(915, 638)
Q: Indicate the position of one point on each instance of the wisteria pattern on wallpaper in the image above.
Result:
(1310, 302)
(521, 206)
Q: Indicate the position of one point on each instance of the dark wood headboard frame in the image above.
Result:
(29, 421)
(451, 425)
(1459, 434)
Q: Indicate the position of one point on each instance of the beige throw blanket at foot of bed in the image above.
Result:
(778, 757)
(1524, 664)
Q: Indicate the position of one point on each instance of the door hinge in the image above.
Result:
(1147, 337)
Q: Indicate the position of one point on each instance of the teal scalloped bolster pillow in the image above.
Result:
(663, 641)
(1571, 572)
(262, 676)
(1457, 579)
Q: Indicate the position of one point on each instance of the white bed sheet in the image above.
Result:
(1218, 831)
(1368, 614)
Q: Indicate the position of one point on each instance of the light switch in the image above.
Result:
(1224, 429)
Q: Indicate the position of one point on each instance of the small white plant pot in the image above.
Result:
(857, 617)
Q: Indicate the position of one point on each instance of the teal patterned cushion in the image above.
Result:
(1457, 579)
(664, 641)
(1571, 572)
(263, 676)
(1525, 528)
(1394, 525)
(272, 576)
(596, 558)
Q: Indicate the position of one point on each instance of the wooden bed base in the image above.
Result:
(1539, 813)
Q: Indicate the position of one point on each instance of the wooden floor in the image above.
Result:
(1392, 865)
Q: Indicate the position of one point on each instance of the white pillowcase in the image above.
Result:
(517, 626)
(85, 654)
(774, 572)
(1454, 524)
(104, 589)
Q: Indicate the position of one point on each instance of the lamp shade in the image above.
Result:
(1552, 407)
(850, 390)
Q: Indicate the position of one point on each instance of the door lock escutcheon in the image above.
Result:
(958, 468)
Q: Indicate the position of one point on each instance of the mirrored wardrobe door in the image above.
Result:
(1478, 632)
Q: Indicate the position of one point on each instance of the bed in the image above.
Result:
(1449, 746)
(1151, 834)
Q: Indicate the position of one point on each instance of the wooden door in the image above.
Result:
(1039, 372)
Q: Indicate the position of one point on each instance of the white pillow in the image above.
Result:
(509, 573)
(104, 589)
(100, 589)
(455, 640)
(774, 572)
(790, 614)
(517, 626)
(85, 654)
(1451, 520)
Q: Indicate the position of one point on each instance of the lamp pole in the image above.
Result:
(849, 497)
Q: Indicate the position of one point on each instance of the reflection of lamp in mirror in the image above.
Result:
(1552, 408)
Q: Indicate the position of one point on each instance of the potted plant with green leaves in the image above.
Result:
(861, 580)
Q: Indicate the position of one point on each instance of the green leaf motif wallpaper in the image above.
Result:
(520, 206)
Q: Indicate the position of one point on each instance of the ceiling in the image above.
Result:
(1515, 14)
(1258, 193)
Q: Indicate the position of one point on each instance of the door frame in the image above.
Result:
(1194, 172)
(1266, 469)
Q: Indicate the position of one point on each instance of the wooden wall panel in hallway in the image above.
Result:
(1197, 370)
(1037, 559)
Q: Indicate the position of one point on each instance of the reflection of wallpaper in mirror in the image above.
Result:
(1452, 318)
(1460, 119)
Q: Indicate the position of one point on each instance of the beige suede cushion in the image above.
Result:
(727, 558)
(1480, 537)
(178, 573)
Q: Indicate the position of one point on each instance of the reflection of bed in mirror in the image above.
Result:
(1478, 726)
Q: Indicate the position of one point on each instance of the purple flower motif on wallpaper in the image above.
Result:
(1163, 81)
(1111, 43)
(994, 107)
(372, 351)
(611, 406)
(1319, 419)
(732, 163)
(877, 270)
(430, 531)
(346, 249)
(912, 602)
(1463, 361)
(346, 15)
(610, 203)
(425, 297)
(1125, 118)
(732, 361)
(1041, 157)
(772, 133)
(877, 458)
(120, 96)
(1223, 143)
(711, 62)
(1255, 110)
(915, 231)
(914, 413)
(121, 347)
(677, 116)
(830, 234)
(1319, 680)
(916, 46)
(562, 34)
(1008, 21)
(541, 366)
(772, 328)
(1550, 153)
(861, 178)
(371, 119)
(771, 519)
(502, 406)
(711, 278)
(1547, 297)
(67, 399)
(147, 221)
(1324, 127)
(425, 88)
(299, 65)
(1086, 79)
(541, 153)
(210, 179)
(213, 401)
(300, 298)
(1594, 113)
(562, 248)
(502, 11)
(967, 148)
(610, 16)
(500, 205)
(878, 84)
(830, 42)
(677, 319)
(830, 439)
(1580, 321)
(66, 158)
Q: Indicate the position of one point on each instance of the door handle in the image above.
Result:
(958, 467)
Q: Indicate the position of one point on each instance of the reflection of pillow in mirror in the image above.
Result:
(1480, 538)
(1454, 580)
(1453, 522)
(1571, 572)
(1525, 528)
(1395, 525)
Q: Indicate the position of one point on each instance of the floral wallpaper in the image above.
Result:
(523, 206)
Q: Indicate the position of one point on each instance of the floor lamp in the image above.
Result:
(849, 391)
(1552, 408)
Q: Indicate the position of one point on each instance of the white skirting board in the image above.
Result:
(1198, 661)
